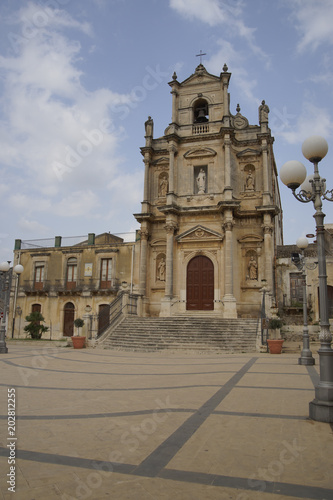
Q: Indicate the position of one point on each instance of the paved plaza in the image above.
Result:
(97, 424)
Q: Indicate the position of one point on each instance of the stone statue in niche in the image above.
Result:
(201, 182)
(249, 182)
(163, 186)
(161, 269)
(263, 112)
(252, 268)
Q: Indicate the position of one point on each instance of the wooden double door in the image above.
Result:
(200, 284)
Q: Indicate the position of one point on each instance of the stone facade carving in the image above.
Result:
(160, 268)
(263, 112)
(163, 185)
(201, 181)
(252, 268)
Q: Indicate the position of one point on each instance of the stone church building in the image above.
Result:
(211, 213)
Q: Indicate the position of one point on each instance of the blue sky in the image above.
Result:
(79, 78)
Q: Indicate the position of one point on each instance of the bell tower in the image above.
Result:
(211, 216)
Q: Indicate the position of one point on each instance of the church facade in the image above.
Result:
(211, 214)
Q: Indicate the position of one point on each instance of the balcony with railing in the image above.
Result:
(101, 287)
(31, 287)
(77, 287)
(200, 128)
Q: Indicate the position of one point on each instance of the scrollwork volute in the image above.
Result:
(144, 234)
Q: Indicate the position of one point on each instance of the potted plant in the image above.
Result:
(78, 340)
(275, 342)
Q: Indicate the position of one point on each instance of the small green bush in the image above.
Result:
(35, 328)
(275, 323)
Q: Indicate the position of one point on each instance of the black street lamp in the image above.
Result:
(293, 174)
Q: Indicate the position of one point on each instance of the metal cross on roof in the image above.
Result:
(200, 55)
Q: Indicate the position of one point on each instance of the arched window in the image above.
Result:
(200, 111)
(71, 274)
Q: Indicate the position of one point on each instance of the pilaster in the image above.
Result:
(229, 301)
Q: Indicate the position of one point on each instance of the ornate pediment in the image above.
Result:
(250, 238)
(201, 75)
(199, 153)
(199, 233)
(164, 160)
(248, 152)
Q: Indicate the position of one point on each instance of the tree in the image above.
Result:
(78, 323)
(35, 328)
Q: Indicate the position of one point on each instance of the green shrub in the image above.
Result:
(35, 328)
(275, 323)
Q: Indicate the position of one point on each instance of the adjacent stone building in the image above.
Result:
(211, 212)
(65, 279)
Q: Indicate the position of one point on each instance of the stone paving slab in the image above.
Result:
(101, 424)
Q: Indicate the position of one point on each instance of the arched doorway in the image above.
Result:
(200, 284)
(69, 311)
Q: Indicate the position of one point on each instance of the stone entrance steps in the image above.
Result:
(183, 333)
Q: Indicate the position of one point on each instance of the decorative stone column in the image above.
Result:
(229, 301)
(143, 262)
(166, 302)
(174, 105)
(268, 230)
(227, 168)
(146, 178)
(266, 192)
(172, 151)
(170, 229)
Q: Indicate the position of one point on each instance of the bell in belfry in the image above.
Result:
(201, 116)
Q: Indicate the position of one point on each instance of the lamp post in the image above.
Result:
(306, 355)
(5, 267)
(293, 174)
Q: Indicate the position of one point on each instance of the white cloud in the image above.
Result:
(29, 226)
(77, 204)
(228, 54)
(211, 12)
(313, 22)
(217, 12)
(312, 120)
(133, 187)
(47, 113)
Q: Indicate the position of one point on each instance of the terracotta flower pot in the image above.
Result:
(275, 346)
(78, 342)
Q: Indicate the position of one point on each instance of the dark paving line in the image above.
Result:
(272, 388)
(285, 489)
(112, 355)
(117, 374)
(259, 415)
(162, 455)
(246, 484)
(278, 373)
(111, 360)
(101, 415)
(149, 412)
(111, 389)
(312, 372)
(83, 463)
